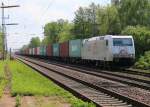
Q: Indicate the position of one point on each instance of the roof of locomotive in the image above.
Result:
(122, 36)
(108, 36)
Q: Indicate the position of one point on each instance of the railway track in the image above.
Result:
(130, 79)
(136, 72)
(128, 95)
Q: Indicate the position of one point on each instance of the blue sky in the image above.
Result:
(33, 14)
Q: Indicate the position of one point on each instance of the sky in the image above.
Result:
(32, 15)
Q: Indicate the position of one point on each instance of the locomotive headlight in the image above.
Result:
(131, 55)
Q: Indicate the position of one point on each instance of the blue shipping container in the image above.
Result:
(56, 49)
(43, 50)
(75, 48)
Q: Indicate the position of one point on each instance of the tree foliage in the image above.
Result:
(58, 31)
(51, 31)
(96, 20)
(35, 42)
(85, 22)
(134, 12)
(66, 34)
(109, 22)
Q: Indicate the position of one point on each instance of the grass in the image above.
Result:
(3, 80)
(26, 81)
(18, 101)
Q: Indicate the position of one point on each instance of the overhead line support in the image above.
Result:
(3, 27)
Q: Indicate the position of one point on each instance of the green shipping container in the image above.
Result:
(43, 50)
(75, 48)
(56, 49)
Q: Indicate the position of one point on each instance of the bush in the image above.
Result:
(144, 61)
(141, 37)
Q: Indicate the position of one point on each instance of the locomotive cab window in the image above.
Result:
(122, 42)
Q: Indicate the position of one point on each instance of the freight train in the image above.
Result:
(99, 51)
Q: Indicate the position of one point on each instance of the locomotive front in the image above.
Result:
(123, 49)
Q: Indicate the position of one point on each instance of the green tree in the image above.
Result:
(85, 23)
(52, 30)
(66, 34)
(134, 12)
(109, 21)
(35, 42)
(46, 40)
(58, 31)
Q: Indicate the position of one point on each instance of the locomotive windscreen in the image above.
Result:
(122, 42)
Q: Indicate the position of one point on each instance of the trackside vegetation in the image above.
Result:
(144, 61)
(26, 81)
(3, 80)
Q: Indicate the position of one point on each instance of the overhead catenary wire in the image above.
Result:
(40, 19)
(25, 34)
(46, 9)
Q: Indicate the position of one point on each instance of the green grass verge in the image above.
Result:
(26, 81)
(3, 80)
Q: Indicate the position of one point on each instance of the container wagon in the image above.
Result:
(49, 51)
(30, 51)
(38, 51)
(35, 51)
(56, 51)
(64, 51)
(42, 51)
(27, 51)
(75, 47)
